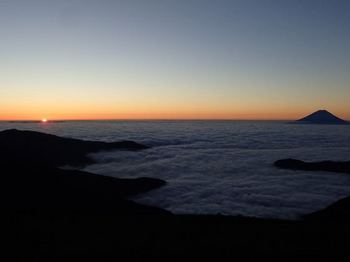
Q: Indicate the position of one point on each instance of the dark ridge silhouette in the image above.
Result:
(31, 178)
(338, 211)
(56, 190)
(35, 148)
(322, 117)
(330, 166)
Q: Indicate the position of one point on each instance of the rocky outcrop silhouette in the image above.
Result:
(330, 166)
(322, 117)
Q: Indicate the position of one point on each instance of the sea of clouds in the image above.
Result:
(221, 167)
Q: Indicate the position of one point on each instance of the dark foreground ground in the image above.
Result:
(53, 214)
(87, 237)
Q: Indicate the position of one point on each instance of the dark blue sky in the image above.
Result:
(181, 59)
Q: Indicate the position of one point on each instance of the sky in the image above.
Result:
(173, 59)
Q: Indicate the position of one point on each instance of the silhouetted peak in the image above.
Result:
(322, 117)
(323, 111)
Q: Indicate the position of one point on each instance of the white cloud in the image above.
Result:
(209, 179)
(222, 167)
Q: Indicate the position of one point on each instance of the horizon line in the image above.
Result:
(150, 119)
(145, 119)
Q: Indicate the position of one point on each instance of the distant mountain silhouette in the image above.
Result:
(322, 117)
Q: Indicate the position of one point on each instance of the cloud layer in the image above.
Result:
(222, 167)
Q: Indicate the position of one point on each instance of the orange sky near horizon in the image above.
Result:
(94, 105)
(85, 114)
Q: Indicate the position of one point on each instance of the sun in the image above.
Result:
(44, 120)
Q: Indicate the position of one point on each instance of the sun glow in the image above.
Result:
(44, 120)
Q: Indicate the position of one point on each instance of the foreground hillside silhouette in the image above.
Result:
(34, 148)
(57, 215)
(33, 180)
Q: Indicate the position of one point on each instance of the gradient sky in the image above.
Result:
(104, 59)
